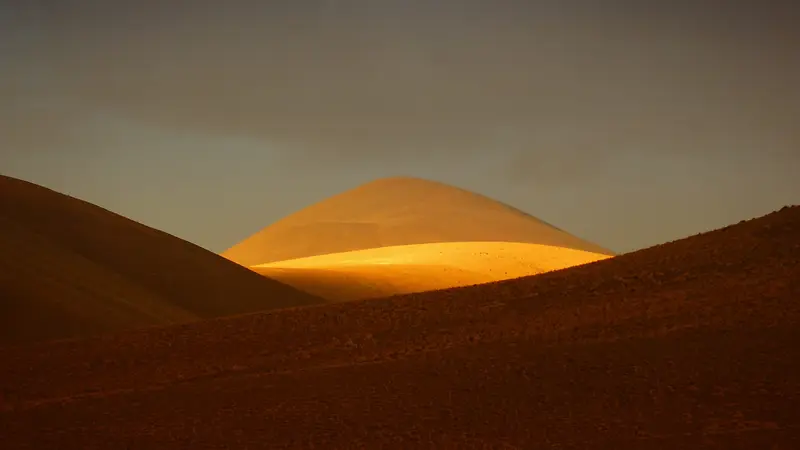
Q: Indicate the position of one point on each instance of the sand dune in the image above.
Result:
(69, 268)
(404, 269)
(397, 211)
(691, 344)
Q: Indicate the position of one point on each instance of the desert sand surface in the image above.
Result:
(690, 344)
(69, 268)
(405, 269)
(398, 211)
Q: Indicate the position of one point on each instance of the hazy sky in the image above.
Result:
(628, 123)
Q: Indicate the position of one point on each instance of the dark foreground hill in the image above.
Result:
(691, 344)
(69, 268)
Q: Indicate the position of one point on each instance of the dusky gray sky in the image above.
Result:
(628, 123)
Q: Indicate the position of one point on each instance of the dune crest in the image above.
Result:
(398, 211)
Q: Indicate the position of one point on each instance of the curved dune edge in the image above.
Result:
(397, 211)
(405, 269)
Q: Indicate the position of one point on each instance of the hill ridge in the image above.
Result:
(89, 259)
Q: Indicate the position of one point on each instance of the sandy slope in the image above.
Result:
(69, 268)
(404, 269)
(398, 211)
(692, 344)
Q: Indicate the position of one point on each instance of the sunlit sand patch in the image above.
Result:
(406, 269)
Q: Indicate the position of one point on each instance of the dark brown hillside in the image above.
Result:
(690, 344)
(70, 268)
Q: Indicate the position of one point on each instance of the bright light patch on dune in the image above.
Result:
(420, 267)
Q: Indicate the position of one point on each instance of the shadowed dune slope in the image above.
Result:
(691, 344)
(386, 271)
(397, 211)
(69, 268)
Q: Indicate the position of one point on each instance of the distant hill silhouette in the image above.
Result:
(398, 211)
(69, 268)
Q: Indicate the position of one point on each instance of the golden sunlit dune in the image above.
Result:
(401, 235)
(69, 268)
(403, 269)
(398, 211)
